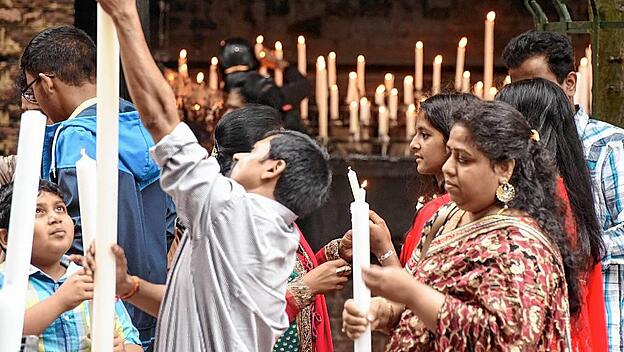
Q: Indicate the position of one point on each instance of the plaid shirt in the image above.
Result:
(68, 333)
(604, 153)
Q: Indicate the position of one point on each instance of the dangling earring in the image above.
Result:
(505, 193)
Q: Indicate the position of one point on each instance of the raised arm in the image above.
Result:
(150, 92)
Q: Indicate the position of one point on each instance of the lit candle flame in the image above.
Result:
(363, 101)
(381, 89)
(200, 77)
(463, 42)
(196, 107)
(320, 63)
(364, 184)
(301, 39)
(214, 61)
(493, 91)
(262, 54)
(408, 79)
(438, 59)
(394, 91)
(491, 16)
(507, 79)
(479, 85)
(361, 58)
(584, 61)
(333, 87)
(419, 44)
(388, 76)
(466, 74)
(278, 45)
(260, 39)
(183, 54)
(352, 75)
(332, 55)
(411, 108)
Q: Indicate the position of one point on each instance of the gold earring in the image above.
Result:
(505, 193)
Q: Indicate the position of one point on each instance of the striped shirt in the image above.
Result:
(604, 153)
(68, 332)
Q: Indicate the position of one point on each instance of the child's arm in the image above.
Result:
(77, 289)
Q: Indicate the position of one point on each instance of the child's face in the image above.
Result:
(54, 230)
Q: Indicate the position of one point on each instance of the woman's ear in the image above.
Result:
(4, 238)
(504, 169)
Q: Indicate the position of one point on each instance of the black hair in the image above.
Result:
(547, 109)
(6, 195)
(66, 52)
(439, 110)
(556, 48)
(240, 129)
(304, 184)
(502, 133)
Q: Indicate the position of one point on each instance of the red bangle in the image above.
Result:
(133, 290)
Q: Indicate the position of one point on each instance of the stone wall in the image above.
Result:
(20, 20)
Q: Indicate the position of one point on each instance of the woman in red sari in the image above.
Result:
(493, 277)
(547, 109)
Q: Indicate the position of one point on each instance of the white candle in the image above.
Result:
(200, 78)
(478, 89)
(507, 80)
(590, 78)
(213, 76)
(107, 173)
(583, 86)
(352, 94)
(393, 104)
(408, 90)
(492, 93)
(459, 65)
(302, 66)
(21, 229)
(365, 111)
(321, 100)
(331, 68)
(410, 122)
(259, 50)
(437, 74)
(380, 95)
(87, 189)
(466, 82)
(361, 81)
(279, 55)
(353, 182)
(361, 259)
(389, 82)
(488, 54)
(182, 63)
(354, 120)
(384, 123)
(333, 103)
(418, 72)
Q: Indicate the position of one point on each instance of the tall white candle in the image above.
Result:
(389, 82)
(352, 93)
(331, 68)
(361, 75)
(437, 74)
(410, 121)
(259, 50)
(459, 65)
(361, 259)
(478, 89)
(87, 189)
(334, 112)
(107, 173)
(353, 182)
(354, 120)
(279, 55)
(466, 82)
(393, 104)
(590, 78)
(182, 63)
(213, 76)
(322, 97)
(488, 54)
(21, 229)
(380, 95)
(419, 62)
(365, 111)
(302, 66)
(583, 85)
(408, 90)
(384, 123)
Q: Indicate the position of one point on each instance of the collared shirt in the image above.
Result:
(68, 332)
(226, 290)
(604, 153)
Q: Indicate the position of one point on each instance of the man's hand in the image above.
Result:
(118, 9)
(77, 289)
(380, 238)
(124, 281)
(327, 277)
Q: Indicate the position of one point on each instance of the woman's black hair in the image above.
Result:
(439, 110)
(547, 109)
(502, 133)
(240, 129)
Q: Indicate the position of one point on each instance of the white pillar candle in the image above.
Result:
(334, 112)
(21, 229)
(365, 111)
(389, 82)
(410, 122)
(361, 259)
(361, 75)
(437, 75)
(321, 99)
(182, 63)
(393, 104)
(87, 189)
(478, 89)
(380, 95)
(200, 78)
(459, 65)
(590, 78)
(466, 82)
(279, 55)
(331, 68)
(107, 157)
(213, 76)
(408, 90)
(488, 54)
(354, 120)
(302, 66)
(384, 123)
(418, 72)
(352, 93)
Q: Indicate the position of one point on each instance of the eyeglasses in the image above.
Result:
(28, 93)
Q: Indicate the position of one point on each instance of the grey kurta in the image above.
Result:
(226, 290)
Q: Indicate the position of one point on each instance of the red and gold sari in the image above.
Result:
(505, 290)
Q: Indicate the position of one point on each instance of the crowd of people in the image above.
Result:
(518, 247)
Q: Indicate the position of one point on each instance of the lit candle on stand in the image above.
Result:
(437, 74)
(213, 76)
(365, 111)
(380, 95)
(182, 63)
(321, 97)
(352, 94)
(331, 68)
(393, 104)
(200, 78)
(361, 81)
(354, 120)
(488, 52)
(408, 90)
(389, 82)
(21, 228)
(302, 66)
(410, 122)
(418, 72)
(478, 89)
(466, 82)
(107, 174)
(384, 123)
(333, 103)
(279, 55)
(459, 65)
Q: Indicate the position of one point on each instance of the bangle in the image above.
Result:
(386, 255)
(133, 290)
